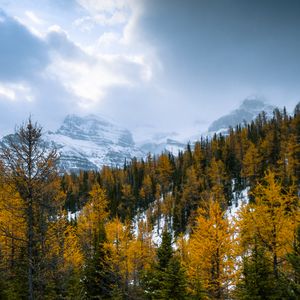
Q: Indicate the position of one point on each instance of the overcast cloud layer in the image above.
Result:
(172, 65)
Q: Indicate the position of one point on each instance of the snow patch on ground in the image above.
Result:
(73, 216)
(240, 198)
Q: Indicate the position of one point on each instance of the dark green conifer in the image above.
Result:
(166, 280)
(100, 280)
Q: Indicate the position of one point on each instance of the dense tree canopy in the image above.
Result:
(158, 228)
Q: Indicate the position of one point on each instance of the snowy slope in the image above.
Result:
(248, 111)
(90, 142)
(158, 142)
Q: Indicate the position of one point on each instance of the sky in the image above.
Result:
(151, 65)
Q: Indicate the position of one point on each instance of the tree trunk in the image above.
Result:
(30, 252)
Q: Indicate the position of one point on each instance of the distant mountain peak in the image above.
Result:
(94, 128)
(247, 111)
(256, 104)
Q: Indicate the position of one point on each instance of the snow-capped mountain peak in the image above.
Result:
(247, 111)
(90, 142)
(97, 129)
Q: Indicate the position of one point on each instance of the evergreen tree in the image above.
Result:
(100, 280)
(258, 280)
(174, 284)
(294, 260)
(165, 251)
(166, 280)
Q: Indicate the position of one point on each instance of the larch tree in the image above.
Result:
(31, 169)
(12, 244)
(251, 163)
(211, 253)
(268, 226)
(93, 215)
(100, 280)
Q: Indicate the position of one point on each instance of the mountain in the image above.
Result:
(248, 111)
(88, 143)
(151, 141)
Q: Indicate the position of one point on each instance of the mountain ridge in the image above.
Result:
(92, 141)
(245, 113)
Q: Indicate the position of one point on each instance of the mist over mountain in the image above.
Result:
(248, 111)
(90, 142)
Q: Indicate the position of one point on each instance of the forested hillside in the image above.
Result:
(159, 228)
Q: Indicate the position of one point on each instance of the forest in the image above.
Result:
(158, 228)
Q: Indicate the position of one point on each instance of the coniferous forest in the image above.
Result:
(218, 221)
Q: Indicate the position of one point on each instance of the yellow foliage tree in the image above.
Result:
(251, 163)
(12, 235)
(271, 221)
(119, 241)
(210, 254)
(90, 219)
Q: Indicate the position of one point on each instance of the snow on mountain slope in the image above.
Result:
(150, 140)
(248, 111)
(90, 142)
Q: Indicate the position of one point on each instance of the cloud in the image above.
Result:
(89, 79)
(108, 38)
(112, 13)
(167, 62)
(22, 53)
(13, 92)
(231, 41)
(52, 70)
(108, 6)
(7, 93)
(33, 17)
(59, 42)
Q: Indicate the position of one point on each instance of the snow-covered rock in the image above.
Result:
(248, 111)
(152, 141)
(88, 143)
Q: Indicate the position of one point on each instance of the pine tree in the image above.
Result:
(174, 284)
(165, 251)
(100, 279)
(166, 280)
(257, 280)
(294, 259)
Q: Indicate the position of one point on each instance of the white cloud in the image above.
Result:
(7, 93)
(96, 6)
(88, 71)
(55, 28)
(88, 23)
(16, 91)
(115, 18)
(87, 81)
(33, 17)
(108, 38)
(28, 24)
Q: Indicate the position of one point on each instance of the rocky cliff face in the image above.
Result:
(90, 142)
